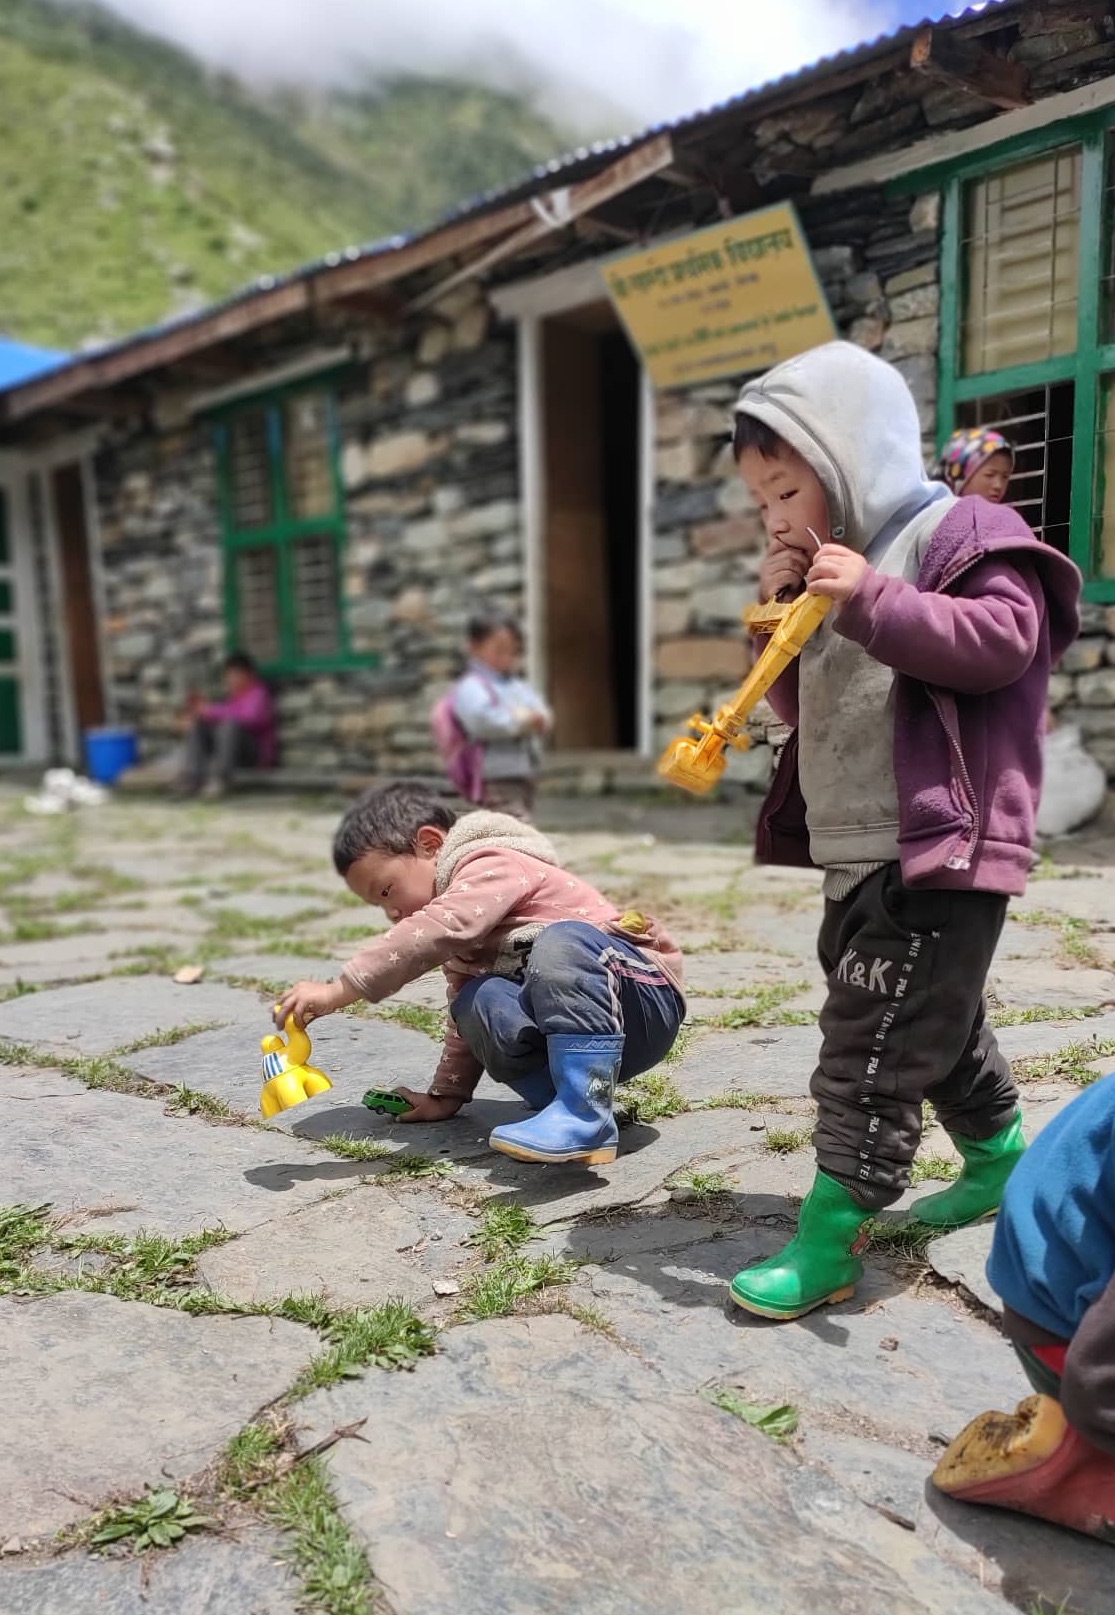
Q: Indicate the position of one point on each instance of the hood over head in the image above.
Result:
(852, 417)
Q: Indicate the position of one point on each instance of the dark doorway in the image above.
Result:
(590, 435)
(79, 600)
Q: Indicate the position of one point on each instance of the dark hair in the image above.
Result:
(388, 820)
(484, 623)
(239, 662)
(752, 433)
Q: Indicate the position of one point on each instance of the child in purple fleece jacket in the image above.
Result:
(239, 732)
(912, 778)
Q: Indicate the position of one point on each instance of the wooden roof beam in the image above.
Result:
(558, 209)
(964, 65)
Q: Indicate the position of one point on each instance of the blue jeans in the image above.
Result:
(578, 981)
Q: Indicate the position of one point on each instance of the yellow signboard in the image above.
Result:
(726, 301)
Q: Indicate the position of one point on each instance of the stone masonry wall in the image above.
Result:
(429, 465)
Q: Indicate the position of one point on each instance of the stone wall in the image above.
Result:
(429, 464)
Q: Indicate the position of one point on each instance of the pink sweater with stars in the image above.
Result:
(499, 884)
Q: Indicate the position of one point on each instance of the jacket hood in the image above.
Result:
(477, 832)
(974, 527)
(852, 417)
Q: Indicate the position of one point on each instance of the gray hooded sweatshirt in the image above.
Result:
(852, 418)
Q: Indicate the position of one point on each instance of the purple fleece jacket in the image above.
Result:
(972, 642)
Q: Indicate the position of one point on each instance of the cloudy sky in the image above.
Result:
(650, 59)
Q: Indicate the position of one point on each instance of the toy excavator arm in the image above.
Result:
(697, 764)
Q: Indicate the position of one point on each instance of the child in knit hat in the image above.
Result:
(978, 460)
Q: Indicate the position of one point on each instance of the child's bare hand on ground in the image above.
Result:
(309, 1000)
(783, 567)
(836, 572)
(427, 1107)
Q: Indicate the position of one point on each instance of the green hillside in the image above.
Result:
(135, 183)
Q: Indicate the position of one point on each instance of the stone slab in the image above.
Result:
(67, 958)
(284, 967)
(777, 1061)
(1029, 1564)
(117, 1164)
(560, 1475)
(1025, 982)
(673, 1308)
(364, 1248)
(649, 1155)
(961, 1258)
(265, 905)
(88, 1019)
(240, 1575)
(101, 1397)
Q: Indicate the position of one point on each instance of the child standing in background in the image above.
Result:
(503, 715)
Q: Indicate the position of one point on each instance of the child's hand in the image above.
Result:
(428, 1107)
(783, 567)
(308, 1000)
(836, 571)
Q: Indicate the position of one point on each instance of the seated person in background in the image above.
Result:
(239, 732)
(1053, 1263)
(502, 713)
(978, 460)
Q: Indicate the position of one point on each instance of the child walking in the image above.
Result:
(551, 989)
(503, 718)
(1053, 1263)
(918, 708)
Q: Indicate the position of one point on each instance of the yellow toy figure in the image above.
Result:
(696, 765)
(288, 1078)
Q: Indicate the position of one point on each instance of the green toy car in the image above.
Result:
(386, 1103)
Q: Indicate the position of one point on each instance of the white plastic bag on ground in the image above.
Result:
(1075, 784)
(62, 790)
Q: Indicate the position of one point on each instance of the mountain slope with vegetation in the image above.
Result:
(135, 183)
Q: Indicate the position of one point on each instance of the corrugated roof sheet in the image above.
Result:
(564, 169)
(19, 362)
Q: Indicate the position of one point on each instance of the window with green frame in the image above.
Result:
(282, 514)
(1028, 326)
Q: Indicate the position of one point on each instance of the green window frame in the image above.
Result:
(1090, 367)
(283, 530)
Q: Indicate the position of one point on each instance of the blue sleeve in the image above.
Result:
(482, 713)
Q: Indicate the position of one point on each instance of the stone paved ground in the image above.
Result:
(198, 1274)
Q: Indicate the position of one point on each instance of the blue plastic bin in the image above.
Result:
(108, 752)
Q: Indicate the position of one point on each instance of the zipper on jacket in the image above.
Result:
(961, 857)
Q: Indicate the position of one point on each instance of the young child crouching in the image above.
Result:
(551, 990)
(1053, 1263)
(918, 706)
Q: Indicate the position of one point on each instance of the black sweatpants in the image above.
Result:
(904, 1021)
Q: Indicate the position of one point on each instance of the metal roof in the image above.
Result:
(565, 169)
(19, 362)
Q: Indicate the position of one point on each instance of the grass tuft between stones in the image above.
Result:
(390, 1336)
(933, 1168)
(495, 1292)
(505, 1228)
(1072, 1062)
(650, 1097)
(330, 1563)
(785, 1141)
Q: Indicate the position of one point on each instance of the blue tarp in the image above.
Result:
(19, 363)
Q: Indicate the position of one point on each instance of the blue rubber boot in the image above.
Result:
(536, 1089)
(578, 1125)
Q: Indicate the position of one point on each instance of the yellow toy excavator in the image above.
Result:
(696, 763)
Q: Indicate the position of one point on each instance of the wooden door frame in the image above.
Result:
(15, 470)
(529, 303)
(75, 449)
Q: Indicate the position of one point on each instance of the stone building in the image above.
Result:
(329, 469)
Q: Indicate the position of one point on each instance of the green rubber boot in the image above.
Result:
(988, 1163)
(819, 1263)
